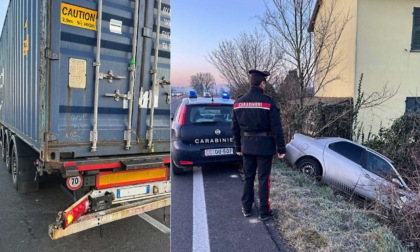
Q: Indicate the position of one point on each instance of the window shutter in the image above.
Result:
(412, 105)
(415, 40)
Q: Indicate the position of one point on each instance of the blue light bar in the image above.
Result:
(193, 94)
(225, 95)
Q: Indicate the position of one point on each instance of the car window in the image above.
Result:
(379, 166)
(348, 150)
(209, 113)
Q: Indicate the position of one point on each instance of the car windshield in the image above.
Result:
(379, 166)
(209, 114)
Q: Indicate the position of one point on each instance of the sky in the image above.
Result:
(3, 8)
(197, 28)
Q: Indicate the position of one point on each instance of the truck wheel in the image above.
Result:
(175, 169)
(6, 151)
(3, 146)
(24, 176)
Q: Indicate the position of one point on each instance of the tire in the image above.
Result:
(310, 167)
(175, 169)
(13, 166)
(24, 176)
(3, 146)
(6, 151)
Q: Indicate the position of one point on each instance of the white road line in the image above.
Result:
(200, 228)
(164, 229)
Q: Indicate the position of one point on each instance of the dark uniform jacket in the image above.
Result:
(256, 124)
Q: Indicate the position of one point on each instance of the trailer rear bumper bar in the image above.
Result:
(106, 216)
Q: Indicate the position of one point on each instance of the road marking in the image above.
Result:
(164, 229)
(200, 228)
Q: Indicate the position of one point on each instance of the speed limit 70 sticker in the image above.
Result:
(74, 183)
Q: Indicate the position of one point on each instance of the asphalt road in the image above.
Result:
(223, 227)
(24, 220)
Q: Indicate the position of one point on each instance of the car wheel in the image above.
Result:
(310, 167)
(175, 169)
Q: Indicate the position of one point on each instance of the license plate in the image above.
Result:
(121, 193)
(218, 152)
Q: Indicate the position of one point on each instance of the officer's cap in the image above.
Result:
(258, 76)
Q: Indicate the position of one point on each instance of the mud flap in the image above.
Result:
(27, 178)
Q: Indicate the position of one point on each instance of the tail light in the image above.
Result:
(166, 160)
(183, 162)
(182, 115)
(75, 213)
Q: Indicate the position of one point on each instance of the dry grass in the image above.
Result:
(313, 218)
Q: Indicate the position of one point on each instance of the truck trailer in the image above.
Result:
(84, 97)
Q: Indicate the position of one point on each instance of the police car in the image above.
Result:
(201, 133)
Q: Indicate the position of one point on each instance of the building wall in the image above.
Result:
(384, 29)
(345, 52)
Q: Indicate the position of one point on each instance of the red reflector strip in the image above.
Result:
(166, 160)
(68, 164)
(183, 162)
(98, 166)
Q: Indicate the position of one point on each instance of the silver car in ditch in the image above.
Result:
(351, 168)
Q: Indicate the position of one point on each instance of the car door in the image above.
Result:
(343, 161)
(376, 180)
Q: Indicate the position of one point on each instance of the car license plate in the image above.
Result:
(218, 152)
(121, 193)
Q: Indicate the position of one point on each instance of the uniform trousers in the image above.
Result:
(251, 164)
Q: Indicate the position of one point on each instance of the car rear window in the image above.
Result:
(348, 150)
(209, 113)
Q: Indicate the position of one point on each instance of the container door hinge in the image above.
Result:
(50, 137)
(50, 54)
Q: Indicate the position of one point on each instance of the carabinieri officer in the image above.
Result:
(258, 135)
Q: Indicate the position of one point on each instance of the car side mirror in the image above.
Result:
(397, 182)
(172, 116)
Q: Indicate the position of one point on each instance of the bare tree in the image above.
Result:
(287, 23)
(202, 82)
(312, 54)
(233, 59)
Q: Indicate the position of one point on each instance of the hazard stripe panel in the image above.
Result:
(252, 105)
(122, 178)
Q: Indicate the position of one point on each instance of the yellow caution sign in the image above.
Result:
(26, 45)
(77, 16)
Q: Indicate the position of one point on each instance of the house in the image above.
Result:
(381, 41)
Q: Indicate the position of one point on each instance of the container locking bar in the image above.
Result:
(117, 95)
(110, 76)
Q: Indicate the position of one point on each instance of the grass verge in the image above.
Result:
(314, 218)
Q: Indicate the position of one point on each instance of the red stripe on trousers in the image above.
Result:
(269, 186)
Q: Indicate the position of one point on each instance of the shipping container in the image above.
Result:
(84, 93)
